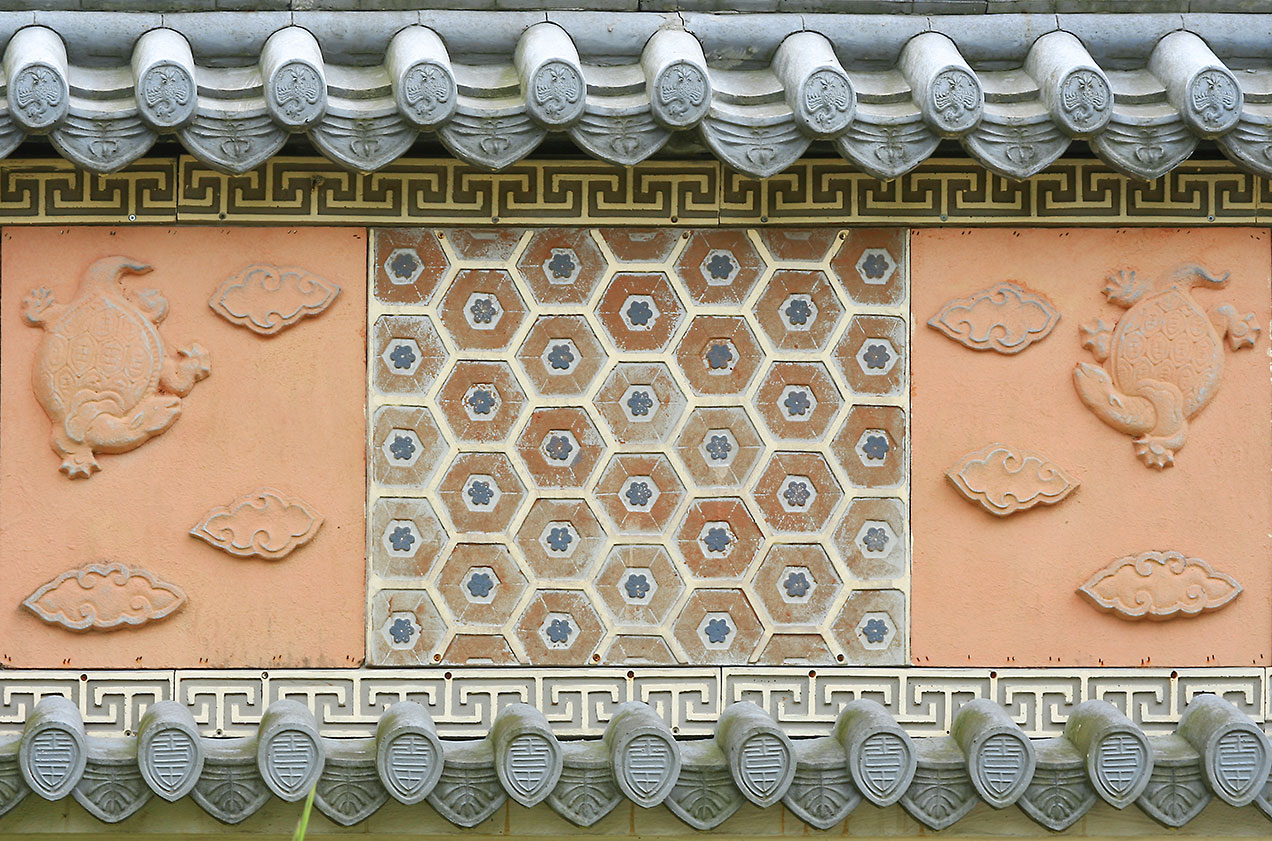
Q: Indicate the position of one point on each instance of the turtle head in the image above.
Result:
(1195, 277)
(107, 272)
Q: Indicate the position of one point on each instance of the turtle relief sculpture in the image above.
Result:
(1164, 359)
(101, 373)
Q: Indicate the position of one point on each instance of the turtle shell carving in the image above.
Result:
(1165, 359)
(101, 373)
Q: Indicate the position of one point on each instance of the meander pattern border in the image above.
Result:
(579, 702)
(311, 190)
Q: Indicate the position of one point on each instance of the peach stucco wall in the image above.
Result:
(283, 411)
(990, 591)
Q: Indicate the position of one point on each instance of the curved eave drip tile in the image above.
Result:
(758, 88)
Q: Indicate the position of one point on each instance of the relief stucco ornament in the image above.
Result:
(1006, 318)
(262, 524)
(268, 299)
(1159, 585)
(104, 597)
(1004, 480)
(1165, 359)
(102, 373)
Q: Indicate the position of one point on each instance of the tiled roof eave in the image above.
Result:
(1142, 89)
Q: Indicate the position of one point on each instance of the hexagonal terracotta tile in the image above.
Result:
(480, 583)
(871, 264)
(719, 446)
(797, 650)
(871, 628)
(798, 401)
(871, 354)
(641, 245)
(641, 402)
(486, 245)
(870, 446)
(798, 244)
(796, 584)
(482, 309)
(406, 446)
(562, 265)
(639, 493)
(481, 492)
(719, 266)
(560, 447)
(408, 354)
(479, 650)
(719, 355)
(640, 311)
(406, 538)
(559, 628)
(798, 310)
(718, 628)
(560, 356)
(405, 628)
(409, 264)
(639, 650)
(797, 492)
(560, 538)
(871, 538)
(718, 538)
(639, 585)
(481, 401)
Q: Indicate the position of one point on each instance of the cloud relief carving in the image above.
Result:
(1159, 585)
(104, 597)
(1006, 318)
(268, 299)
(263, 524)
(1003, 481)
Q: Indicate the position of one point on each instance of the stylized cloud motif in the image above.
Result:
(103, 597)
(1003, 481)
(264, 524)
(1159, 585)
(1005, 317)
(266, 299)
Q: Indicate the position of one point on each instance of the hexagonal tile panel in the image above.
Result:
(481, 493)
(796, 584)
(560, 628)
(640, 311)
(719, 355)
(406, 538)
(871, 538)
(719, 446)
(718, 538)
(560, 538)
(870, 446)
(406, 446)
(870, 263)
(639, 493)
(797, 401)
(409, 264)
(405, 628)
(641, 402)
(719, 267)
(718, 628)
(560, 356)
(870, 627)
(562, 265)
(560, 447)
(639, 585)
(480, 583)
(797, 492)
(482, 309)
(798, 310)
(641, 245)
(870, 355)
(408, 354)
(481, 401)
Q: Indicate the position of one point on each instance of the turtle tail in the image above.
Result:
(1195, 277)
(105, 273)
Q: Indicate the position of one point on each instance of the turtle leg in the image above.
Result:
(1126, 413)
(182, 370)
(77, 456)
(1157, 447)
(39, 307)
(1096, 336)
(1240, 330)
(119, 433)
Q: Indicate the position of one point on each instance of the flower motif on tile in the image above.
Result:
(402, 447)
(480, 493)
(481, 401)
(483, 310)
(639, 313)
(638, 494)
(562, 265)
(717, 631)
(717, 539)
(559, 631)
(797, 494)
(720, 267)
(798, 311)
(402, 539)
(639, 403)
(480, 584)
(876, 447)
(875, 538)
(875, 631)
(402, 630)
(403, 357)
(560, 357)
(403, 265)
(876, 266)
(796, 584)
(876, 355)
(559, 539)
(718, 447)
(719, 356)
(559, 447)
(797, 403)
(636, 585)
